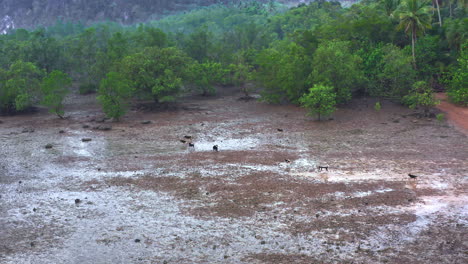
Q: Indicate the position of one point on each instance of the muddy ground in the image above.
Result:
(146, 197)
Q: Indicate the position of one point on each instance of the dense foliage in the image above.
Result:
(54, 88)
(380, 48)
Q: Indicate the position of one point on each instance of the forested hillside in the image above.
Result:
(31, 13)
(399, 50)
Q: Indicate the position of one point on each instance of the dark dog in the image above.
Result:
(215, 148)
(323, 167)
(191, 145)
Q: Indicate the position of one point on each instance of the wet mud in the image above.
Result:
(137, 194)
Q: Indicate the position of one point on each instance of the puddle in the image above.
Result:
(227, 144)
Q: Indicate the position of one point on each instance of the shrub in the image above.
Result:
(320, 100)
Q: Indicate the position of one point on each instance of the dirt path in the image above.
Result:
(457, 115)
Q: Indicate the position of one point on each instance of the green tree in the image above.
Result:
(113, 94)
(54, 88)
(389, 72)
(336, 66)
(390, 6)
(283, 71)
(205, 75)
(320, 100)
(156, 73)
(20, 88)
(238, 75)
(456, 31)
(147, 36)
(83, 57)
(199, 44)
(458, 85)
(415, 18)
(421, 96)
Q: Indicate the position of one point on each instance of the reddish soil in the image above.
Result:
(146, 197)
(458, 115)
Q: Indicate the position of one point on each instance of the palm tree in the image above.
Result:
(390, 6)
(455, 32)
(415, 18)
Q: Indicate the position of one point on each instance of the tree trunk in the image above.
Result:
(413, 42)
(438, 12)
(450, 7)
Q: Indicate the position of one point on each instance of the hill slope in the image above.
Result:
(31, 13)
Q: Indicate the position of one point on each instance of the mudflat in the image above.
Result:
(134, 193)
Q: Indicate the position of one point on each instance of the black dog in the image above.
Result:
(215, 148)
(323, 167)
(191, 145)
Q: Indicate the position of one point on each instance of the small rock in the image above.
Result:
(32, 244)
(85, 126)
(101, 120)
(262, 242)
(317, 215)
(77, 201)
(137, 240)
(146, 122)
(61, 131)
(188, 137)
(34, 209)
(280, 130)
(86, 139)
(226, 256)
(396, 121)
(27, 130)
(99, 169)
(20, 182)
(103, 127)
(48, 146)
(414, 121)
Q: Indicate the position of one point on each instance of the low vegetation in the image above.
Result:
(398, 50)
